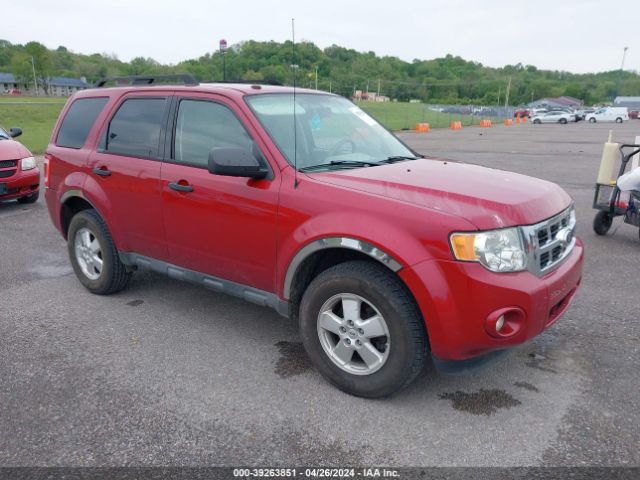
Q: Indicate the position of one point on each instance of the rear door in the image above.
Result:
(222, 226)
(126, 170)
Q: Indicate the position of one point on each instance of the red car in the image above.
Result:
(304, 203)
(633, 114)
(19, 175)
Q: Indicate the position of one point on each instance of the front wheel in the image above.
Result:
(592, 120)
(362, 329)
(33, 198)
(537, 122)
(563, 121)
(618, 120)
(602, 222)
(94, 256)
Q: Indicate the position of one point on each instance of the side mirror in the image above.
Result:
(15, 132)
(235, 162)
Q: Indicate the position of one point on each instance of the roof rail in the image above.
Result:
(251, 82)
(139, 80)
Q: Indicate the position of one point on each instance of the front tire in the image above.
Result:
(537, 122)
(33, 198)
(592, 120)
(94, 256)
(618, 120)
(602, 222)
(362, 329)
(563, 121)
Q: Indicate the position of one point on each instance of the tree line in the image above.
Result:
(446, 80)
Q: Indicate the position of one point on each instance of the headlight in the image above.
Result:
(497, 250)
(28, 163)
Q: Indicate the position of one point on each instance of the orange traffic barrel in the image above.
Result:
(508, 122)
(422, 127)
(485, 123)
(456, 125)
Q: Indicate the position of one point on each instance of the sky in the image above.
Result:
(572, 35)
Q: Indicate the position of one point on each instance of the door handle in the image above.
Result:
(102, 171)
(179, 187)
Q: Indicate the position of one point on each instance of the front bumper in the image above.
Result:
(457, 298)
(21, 184)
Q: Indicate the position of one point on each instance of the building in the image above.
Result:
(58, 86)
(359, 95)
(557, 102)
(632, 103)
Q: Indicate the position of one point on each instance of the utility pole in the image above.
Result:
(35, 80)
(223, 52)
(378, 93)
(499, 93)
(624, 55)
(506, 98)
(329, 86)
(316, 78)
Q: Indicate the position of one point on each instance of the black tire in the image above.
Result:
(537, 121)
(602, 222)
(618, 120)
(114, 276)
(407, 341)
(563, 121)
(33, 198)
(592, 120)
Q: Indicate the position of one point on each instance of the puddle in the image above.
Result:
(527, 386)
(482, 402)
(135, 303)
(293, 359)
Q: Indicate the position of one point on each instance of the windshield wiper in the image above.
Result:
(340, 163)
(398, 158)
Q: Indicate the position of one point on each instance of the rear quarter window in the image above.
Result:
(78, 121)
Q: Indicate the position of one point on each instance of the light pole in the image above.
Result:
(35, 81)
(223, 52)
(624, 54)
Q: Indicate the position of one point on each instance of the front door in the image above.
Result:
(218, 225)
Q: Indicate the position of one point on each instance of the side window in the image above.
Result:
(203, 125)
(78, 121)
(135, 128)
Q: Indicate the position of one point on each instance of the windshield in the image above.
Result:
(331, 131)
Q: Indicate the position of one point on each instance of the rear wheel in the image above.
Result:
(94, 256)
(602, 222)
(362, 329)
(537, 121)
(592, 120)
(33, 198)
(563, 121)
(618, 120)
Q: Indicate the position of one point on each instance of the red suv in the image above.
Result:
(300, 201)
(19, 174)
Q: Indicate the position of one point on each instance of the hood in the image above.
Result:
(12, 150)
(486, 197)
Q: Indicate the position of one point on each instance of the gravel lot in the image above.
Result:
(167, 373)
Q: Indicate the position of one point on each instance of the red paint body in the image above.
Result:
(19, 183)
(248, 231)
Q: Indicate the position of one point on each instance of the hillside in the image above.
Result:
(341, 70)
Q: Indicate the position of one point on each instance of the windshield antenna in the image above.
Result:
(294, 67)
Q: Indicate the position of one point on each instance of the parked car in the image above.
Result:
(633, 114)
(521, 112)
(554, 117)
(609, 114)
(383, 256)
(19, 175)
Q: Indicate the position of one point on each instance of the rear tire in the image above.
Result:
(362, 329)
(94, 256)
(618, 120)
(602, 222)
(592, 120)
(537, 122)
(33, 198)
(563, 121)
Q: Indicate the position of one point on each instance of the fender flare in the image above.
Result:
(336, 242)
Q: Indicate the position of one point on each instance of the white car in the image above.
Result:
(609, 114)
(553, 117)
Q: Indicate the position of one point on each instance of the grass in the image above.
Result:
(402, 116)
(36, 117)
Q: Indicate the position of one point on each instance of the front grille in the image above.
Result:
(551, 241)
(8, 163)
(6, 173)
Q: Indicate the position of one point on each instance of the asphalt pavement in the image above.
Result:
(168, 373)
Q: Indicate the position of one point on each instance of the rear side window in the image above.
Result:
(78, 121)
(135, 128)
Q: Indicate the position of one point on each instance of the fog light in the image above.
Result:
(499, 323)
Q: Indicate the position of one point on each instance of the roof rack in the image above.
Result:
(138, 80)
